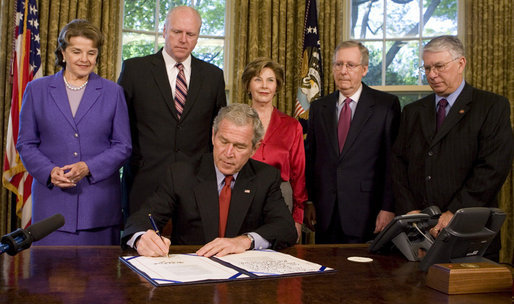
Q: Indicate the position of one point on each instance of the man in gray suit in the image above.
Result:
(172, 100)
(455, 146)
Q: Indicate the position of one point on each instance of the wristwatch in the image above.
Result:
(252, 245)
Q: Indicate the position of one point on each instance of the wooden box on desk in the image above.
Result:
(462, 278)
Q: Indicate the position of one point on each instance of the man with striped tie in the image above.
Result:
(172, 99)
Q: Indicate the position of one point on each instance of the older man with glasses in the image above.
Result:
(455, 146)
(349, 141)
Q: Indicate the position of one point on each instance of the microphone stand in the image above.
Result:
(15, 242)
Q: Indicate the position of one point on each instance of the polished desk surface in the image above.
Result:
(95, 275)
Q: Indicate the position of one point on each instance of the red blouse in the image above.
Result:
(282, 147)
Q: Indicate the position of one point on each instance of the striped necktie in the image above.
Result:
(180, 90)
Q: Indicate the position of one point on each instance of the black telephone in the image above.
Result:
(465, 239)
(408, 233)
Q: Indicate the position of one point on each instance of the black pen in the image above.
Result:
(152, 221)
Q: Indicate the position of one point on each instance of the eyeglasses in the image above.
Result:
(338, 66)
(439, 67)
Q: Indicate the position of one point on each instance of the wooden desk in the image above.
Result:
(95, 275)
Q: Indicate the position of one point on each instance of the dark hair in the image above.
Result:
(77, 28)
(255, 68)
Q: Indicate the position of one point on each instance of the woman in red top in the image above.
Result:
(282, 146)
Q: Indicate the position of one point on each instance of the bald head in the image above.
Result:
(181, 32)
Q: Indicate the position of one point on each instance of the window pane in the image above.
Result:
(210, 50)
(139, 15)
(367, 19)
(443, 21)
(213, 17)
(374, 76)
(422, 75)
(165, 6)
(136, 45)
(402, 19)
(404, 62)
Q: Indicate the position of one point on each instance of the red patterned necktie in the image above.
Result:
(441, 113)
(343, 125)
(180, 89)
(224, 201)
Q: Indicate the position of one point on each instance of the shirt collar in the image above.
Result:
(170, 62)
(355, 97)
(220, 177)
(452, 97)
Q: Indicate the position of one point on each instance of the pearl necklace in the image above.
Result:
(69, 86)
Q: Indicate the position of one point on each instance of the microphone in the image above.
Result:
(21, 239)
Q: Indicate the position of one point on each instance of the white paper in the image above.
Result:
(269, 262)
(179, 268)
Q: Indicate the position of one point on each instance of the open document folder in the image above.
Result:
(191, 268)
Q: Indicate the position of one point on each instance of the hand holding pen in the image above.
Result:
(152, 221)
(151, 243)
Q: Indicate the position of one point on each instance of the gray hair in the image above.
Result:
(241, 115)
(353, 43)
(452, 44)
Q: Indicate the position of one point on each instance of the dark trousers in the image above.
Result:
(335, 234)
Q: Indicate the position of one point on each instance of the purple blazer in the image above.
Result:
(99, 135)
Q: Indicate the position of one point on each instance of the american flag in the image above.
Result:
(26, 65)
(312, 74)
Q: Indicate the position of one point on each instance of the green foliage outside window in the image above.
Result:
(142, 31)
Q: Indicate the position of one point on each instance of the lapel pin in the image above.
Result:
(247, 190)
(461, 111)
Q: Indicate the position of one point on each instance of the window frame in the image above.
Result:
(398, 89)
(157, 33)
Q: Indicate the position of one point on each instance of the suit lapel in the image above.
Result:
(60, 98)
(194, 89)
(329, 117)
(456, 113)
(90, 97)
(363, 112)
(427, 117)
(206, 196)
(161, 79)
(242, 196)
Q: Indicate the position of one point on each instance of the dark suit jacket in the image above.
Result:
(358, 179)
(462, 165)
(189, 195)
(158, 136)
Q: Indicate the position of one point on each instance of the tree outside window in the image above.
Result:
(395, 32)
(143, 23)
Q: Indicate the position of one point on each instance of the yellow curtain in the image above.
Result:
(53, 15)
(330, 19)
(489, 50)
(105, 14)
(6, 45)
(273, 29)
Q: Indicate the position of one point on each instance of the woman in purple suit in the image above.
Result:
(74, 136)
